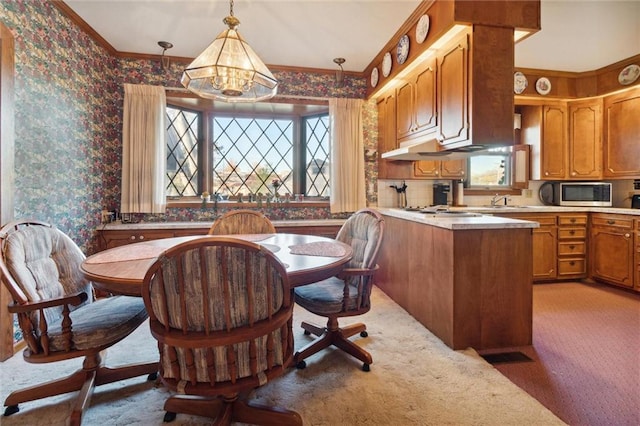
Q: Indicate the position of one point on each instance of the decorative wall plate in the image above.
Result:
(422, 29)
(386, 64)
(403, 49)
(374, 77)
(520, 82)
(543, 86)
(629, 74)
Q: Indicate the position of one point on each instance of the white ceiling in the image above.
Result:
(576, 35)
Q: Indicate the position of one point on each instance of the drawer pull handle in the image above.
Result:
(573, 220)
(571, 247)
(572, 232)
(611, 222)
(572, 263)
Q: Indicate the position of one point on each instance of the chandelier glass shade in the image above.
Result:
(229, 70)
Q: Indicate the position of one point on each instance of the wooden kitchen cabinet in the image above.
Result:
(387, 140)
(637, 256)
(416, 104)
(545, 244)
(572, 246)
(451, 169)
(585, 139)
(611, 249)
(453, 92)
(544, 127)
(115, 238)
(622, 135)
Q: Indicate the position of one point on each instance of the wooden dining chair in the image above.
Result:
(242, 222)
(59, 316)
(347, 294)
(221, 310)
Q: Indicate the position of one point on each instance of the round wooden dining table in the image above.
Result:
(307, 258)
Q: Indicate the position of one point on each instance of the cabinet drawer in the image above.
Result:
(572, 233)
(572, 248)
(579, 220)
(614, 221)
(572, 267)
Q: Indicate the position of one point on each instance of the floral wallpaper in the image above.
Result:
(68, 123)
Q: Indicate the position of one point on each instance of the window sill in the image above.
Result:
(234, 204)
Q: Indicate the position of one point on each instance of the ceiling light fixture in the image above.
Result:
(164, 60)
(340, 72)
(229, 70)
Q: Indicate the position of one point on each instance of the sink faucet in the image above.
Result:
(497, 198)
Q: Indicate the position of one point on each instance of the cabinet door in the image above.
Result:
(387, 141)
(453, 92)
(453, 169)
(612, 255)
(585, 140)
(425, 99)
(545, 252)
(404, 110)
(622, 135)
(554, 142)
(426, 168)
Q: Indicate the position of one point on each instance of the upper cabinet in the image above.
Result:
(387, 140)
(565, 139)
(622, 135)
(416, 103)
(453, 92)
(585, 139)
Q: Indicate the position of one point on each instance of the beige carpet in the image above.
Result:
(415, 380)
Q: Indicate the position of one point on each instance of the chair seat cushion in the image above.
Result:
(101, 323)
(326, 297)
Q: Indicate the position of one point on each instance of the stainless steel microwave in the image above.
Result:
(579, 194)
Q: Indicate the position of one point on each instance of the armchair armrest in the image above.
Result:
(354, 272)
(74, 299)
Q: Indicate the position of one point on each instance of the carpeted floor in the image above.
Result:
(415, 380)
(586, 354)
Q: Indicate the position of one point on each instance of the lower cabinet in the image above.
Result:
(109, 238)
(612, 249)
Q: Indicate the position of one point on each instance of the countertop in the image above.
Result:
(116, 226)
(546, 209)
(482, 221)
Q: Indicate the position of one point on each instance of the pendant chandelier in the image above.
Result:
(229, 70)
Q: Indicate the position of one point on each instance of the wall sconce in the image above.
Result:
(164, 60)
(340, 72)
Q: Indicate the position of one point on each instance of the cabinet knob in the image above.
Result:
(572, 263)
(141, 237)
(572, 232)
(627, 235)
(132, 238)
(546, 173)
(573, 173)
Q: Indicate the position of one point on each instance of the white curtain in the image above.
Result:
(144, 159)
(348, 193)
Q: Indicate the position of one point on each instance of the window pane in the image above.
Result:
(489, 170)
(318, 171)
(182, 152)
(249, 153)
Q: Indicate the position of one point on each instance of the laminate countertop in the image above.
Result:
(459, 222)
(117, 226)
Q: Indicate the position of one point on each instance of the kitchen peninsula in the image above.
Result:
(467, 279)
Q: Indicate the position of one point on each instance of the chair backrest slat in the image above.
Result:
(242, 222)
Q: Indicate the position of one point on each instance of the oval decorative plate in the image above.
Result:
(386, 64)
(374, 77)
(403, 49)
(629, 74)
(543, 86)
(422, 29)
(520, 82)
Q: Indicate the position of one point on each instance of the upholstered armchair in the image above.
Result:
(221, 310)
(59, 316)
(347, 294)
(242, 222)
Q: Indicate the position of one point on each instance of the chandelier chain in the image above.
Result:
(231, 7)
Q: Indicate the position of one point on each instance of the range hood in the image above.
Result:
(431, 149)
